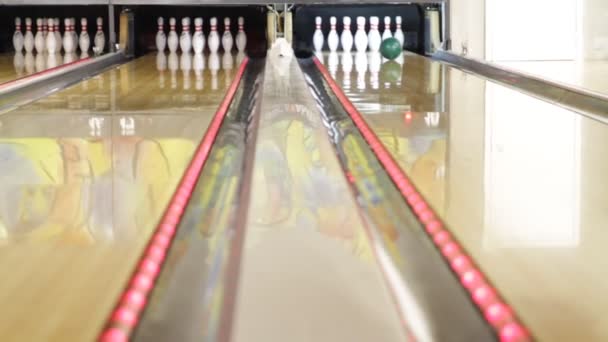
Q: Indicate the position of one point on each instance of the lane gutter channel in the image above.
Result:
(490, 306)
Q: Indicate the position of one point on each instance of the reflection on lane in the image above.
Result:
(519, 182)
(19, 64)
(81, 191)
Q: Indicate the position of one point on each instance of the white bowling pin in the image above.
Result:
(398, 31)
(84, 41)
(173, 40)
(227, 40)
(360, 36)
(44, 28)
(100, 39)
(332, 39)
(161, 38)
(387, 28)
(28, 38)
(317, 37)
(198, 38)
(241, 37)
(68, 46)
(214, 38)
(75, 37)
(58, 37)
(185, 39)
(373, 37)
(51, 42)
(18, 36)
(346, 39)
(39, 42)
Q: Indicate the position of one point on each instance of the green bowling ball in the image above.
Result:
(390, 48)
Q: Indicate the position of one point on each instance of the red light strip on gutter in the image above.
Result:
(495, 310)
(127, 312)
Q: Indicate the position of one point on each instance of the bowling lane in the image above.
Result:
(85, 176)
(17, 65)
(520, 182)
(308, 272)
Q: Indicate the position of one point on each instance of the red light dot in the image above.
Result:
(414, 199)
(497, 314)
(426, 216)
(407, 190)
(167, 229)
(114, 335)
(450, 249)
(135, 298)
(471, 279)
(484, 295)
(420, 207)
(433, 226)
(461, 264)
(441, 237)
(161, 240)
(125, 316)
(150, 267)
(156, 253)
(142, 282)
(513, 332)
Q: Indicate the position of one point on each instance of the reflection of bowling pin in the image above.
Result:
(347, 67)
(199, 66)
(51, 58)
(239, 57)
(29, 62)
(373, 37)
(332, 38)
(227, 40)
(432, 119)
(398, 31)
(227, 64)
(95, 126)
(161, 38)
(84, 41)
(198, 39)
(185, 40)
(241, 37)
(347, 37)
(173, 66)
(19, 62)
(214, 66)
(185, 64)
(18, 36)
(361, 67)
(434, 78)
(100, 38)
(127, 126)
(375, 60)
(28, 39)
(387, 28)
(84, 54)
(317, 37)
(39, 42)
(214, 38)
(172, 41)
(161, 66)
(51, 42)
(40, 61)
(319, 55)
(360, 36)
(332, 63)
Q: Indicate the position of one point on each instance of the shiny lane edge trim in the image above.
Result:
(495, 310)
(586, 102)
(132, 301)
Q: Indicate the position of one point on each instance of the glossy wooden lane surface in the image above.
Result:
(520, 183)
(308, 272)
(78, 205)
(17, 65)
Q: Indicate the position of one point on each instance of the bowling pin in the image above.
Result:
(68, 46)
(58, 37)
(161, 38)
(347, 37)
(185, 39)
(39, 42)
(28, 38)
(75, 37)
(360, 36)
(387, 28)
(398, 31)
(100, 39)
(332, 37)
(84, 41)
(241, 37)
(44, 29)
(198, 38)
(317, 38)
(214, 38)
(227, 40)
(373, 37)
(172, 41)
(51, 42)
(18, 36)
